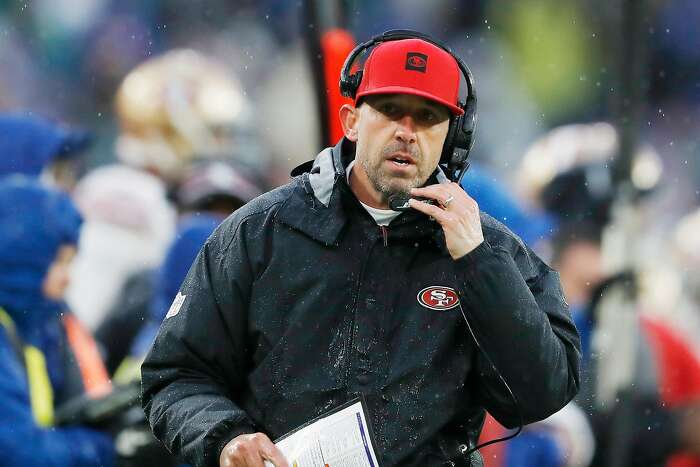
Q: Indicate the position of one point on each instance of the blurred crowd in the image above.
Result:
(130, 130)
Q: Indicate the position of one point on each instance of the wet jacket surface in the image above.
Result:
(299, 302)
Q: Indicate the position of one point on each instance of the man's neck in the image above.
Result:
(363, 189)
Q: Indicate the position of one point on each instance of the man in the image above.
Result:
(316, 292)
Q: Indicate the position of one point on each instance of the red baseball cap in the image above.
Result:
(412, 66)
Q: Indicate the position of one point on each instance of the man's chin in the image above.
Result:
(403, 185)
(388, 191)
(390, 185)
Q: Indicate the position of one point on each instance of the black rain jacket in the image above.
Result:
(300, 302)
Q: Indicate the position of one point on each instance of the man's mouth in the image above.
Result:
(401, 159)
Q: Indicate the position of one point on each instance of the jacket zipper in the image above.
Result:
(353, 330)
(385, 234)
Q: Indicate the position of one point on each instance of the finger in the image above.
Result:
(252, 456)
(271, 452)
(254, 459)
(435, 212)
(463, 203)
(443, 192)
(460, 193)
(244, 454)
(277, 458)
(437, 192)
(249, 453)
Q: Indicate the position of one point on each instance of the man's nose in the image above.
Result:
(406, 129)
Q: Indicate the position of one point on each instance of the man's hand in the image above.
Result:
(251, 451)
(457, 213)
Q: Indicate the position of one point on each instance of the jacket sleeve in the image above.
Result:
(24, 443)
(517, 310)
(198, 360)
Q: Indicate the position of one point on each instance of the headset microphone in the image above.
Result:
(399, 201)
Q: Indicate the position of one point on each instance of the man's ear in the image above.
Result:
(349, 119)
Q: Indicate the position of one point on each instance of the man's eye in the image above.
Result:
(427, 116)
(389, 108)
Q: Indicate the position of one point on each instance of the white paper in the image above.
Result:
(341, 439)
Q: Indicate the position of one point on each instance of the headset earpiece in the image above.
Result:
(349, 84)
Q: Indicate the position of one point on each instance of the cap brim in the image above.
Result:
(454, 109)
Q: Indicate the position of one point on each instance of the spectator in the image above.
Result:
(39, 357)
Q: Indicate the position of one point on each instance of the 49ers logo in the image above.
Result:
(416, 61)
(438, 298)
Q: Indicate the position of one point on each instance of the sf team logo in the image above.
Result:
(438, 298)
(416, 61)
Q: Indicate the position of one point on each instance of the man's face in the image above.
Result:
(58, 276)
(399, 140)
(581, 268)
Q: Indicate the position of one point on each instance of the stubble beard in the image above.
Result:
(387, 185)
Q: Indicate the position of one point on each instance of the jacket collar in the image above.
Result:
(317, 208)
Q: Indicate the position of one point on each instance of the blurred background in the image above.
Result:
(588, 136)
(537, 64)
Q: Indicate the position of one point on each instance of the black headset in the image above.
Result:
(460, 136)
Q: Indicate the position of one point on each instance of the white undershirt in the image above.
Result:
(380, 216)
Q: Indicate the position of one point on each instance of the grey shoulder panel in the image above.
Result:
(322, 176)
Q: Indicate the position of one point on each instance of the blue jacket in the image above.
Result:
(28, 144)
(34, 222)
